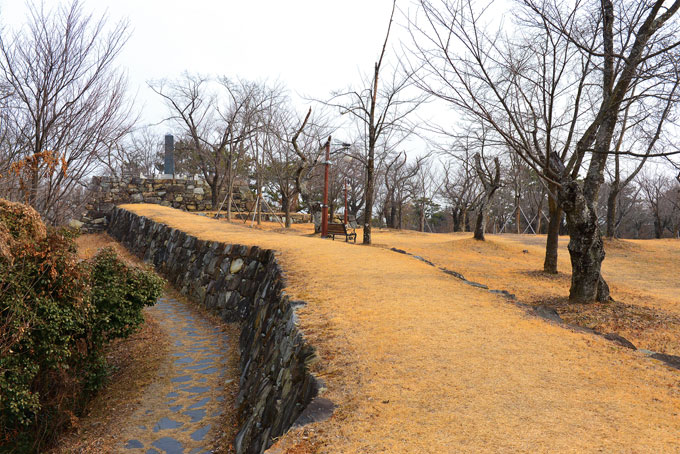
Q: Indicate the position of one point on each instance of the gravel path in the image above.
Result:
(180, 412)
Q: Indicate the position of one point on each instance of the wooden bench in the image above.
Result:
(341, 229)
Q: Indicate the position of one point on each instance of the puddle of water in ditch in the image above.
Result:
(178, 411)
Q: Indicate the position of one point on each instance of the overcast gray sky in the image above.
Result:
(313, 46)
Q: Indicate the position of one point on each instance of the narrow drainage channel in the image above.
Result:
(181, 411)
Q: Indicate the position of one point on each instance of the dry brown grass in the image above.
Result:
(642, 275)
(89, 245)
(420, 363)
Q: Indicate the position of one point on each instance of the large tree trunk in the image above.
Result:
(214, 196)
(658, 227)
(553, 238)
(400, 214)
(393, 215)
(586, 247)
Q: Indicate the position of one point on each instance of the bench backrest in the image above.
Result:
(337, 228)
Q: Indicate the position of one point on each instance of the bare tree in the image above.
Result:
(396, 175)
(306, 143)
(279, 157)
(656, 190)
(217, 118)
(461, 187)
(380, 109)
(424, 186)
(66, 96)
(140, 152)
(491, 181)
(603, 51)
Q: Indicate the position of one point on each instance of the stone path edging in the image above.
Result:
(549, 314)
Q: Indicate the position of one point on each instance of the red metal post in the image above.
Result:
(324, 207)
(345, 200)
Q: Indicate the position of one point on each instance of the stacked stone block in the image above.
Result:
(184, 194)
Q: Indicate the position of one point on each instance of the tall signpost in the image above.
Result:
(169, 165)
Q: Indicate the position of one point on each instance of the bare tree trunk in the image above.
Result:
(214, 196)
(611, 209)
(230, 199)
(518, 220)
(259, 189)
(370, 189)
(456, 220)
(400, 217)
(586, 247)
(491, 182)
(480, 224)
(658, 228)
(553, 237)
(287, 208)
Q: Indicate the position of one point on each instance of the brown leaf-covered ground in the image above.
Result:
(418, 362)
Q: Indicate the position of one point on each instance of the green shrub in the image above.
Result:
(118, 293)
(57, 314)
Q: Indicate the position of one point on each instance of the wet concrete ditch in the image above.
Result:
(549, 314)
(245, 285)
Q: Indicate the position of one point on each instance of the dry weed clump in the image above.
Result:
(18, 223)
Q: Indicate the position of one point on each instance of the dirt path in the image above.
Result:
(180, 412)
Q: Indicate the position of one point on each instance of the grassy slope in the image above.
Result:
(418, 362)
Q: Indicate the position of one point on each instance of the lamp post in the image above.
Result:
(324, 207)
(327, 165)
(345, 200)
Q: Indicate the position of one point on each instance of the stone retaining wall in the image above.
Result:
(242, 284)
(181, 193)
